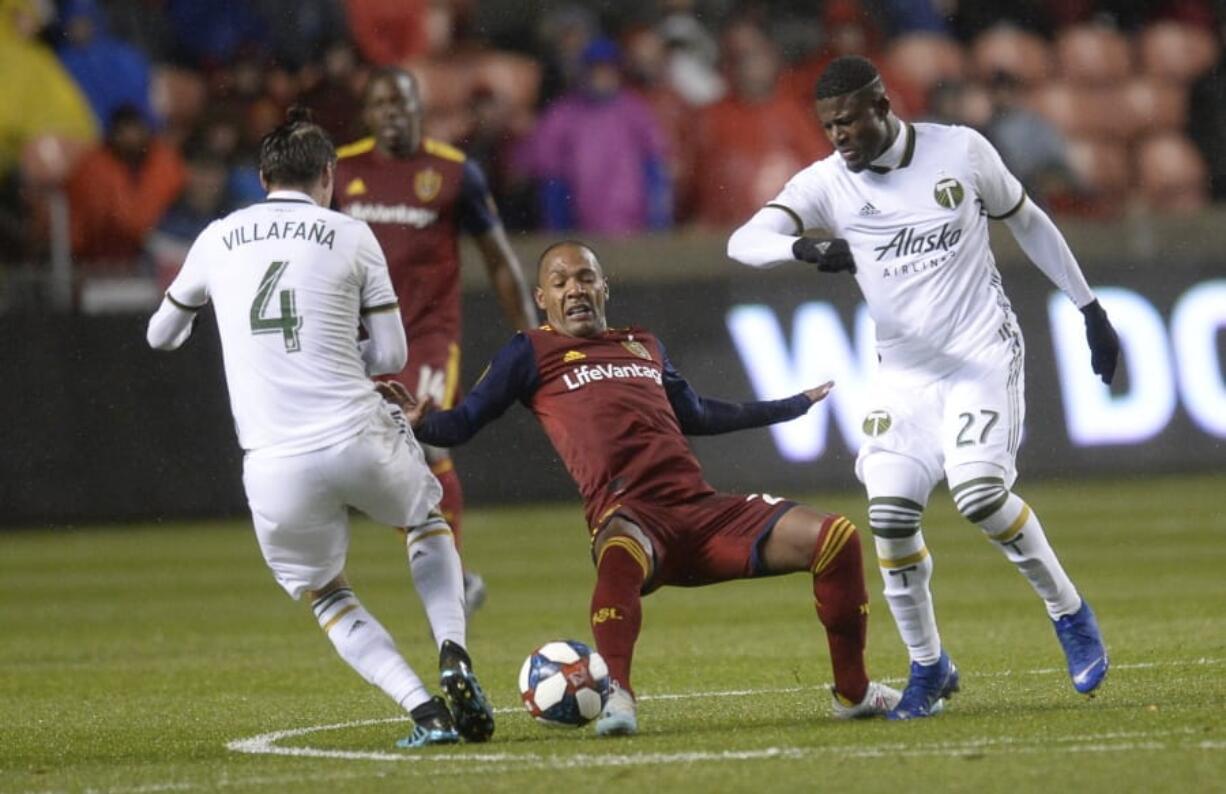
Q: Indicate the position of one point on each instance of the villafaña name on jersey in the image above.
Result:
(579, 377)
(316, 232)
(908, 243)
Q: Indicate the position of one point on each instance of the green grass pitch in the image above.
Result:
(136, 659)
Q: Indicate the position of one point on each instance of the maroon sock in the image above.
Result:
(617, 611)
(842, 603)
(452, 503)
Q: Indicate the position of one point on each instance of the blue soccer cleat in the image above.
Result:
(927, 689)
(1083, 647)
(432, 725)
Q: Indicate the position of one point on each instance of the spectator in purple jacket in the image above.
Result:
(599, 155)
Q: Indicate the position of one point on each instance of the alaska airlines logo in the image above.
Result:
(402, 214)
(579, 377)
(908, 242)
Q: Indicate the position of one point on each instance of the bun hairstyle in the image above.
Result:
(296, 153)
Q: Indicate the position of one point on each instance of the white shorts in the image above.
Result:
(972, 415)
(300, 504)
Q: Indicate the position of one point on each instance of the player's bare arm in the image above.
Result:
(507, 277)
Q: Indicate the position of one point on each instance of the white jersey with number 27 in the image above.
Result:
(919, 235)
(288, 281)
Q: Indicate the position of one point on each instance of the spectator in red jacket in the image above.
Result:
(749, 143)
(120, 189)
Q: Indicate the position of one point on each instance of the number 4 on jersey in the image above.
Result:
(288, 322)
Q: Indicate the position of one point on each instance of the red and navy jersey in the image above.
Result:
(417, 207)
(615, 409)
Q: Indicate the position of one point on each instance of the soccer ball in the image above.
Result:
(564, 684)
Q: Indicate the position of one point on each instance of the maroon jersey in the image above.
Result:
(603, 404)
(417, 206)
(615, 410)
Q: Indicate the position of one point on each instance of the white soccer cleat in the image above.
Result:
(877, 701)
(619, 715)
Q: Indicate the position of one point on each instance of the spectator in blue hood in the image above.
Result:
(110, 72)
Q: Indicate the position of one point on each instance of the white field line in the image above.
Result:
(267, 743)
(471, 763)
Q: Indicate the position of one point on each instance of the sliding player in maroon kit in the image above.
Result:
(418, 195)
(616, 411)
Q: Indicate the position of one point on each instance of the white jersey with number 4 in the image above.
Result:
(288, 280)
(919, 235)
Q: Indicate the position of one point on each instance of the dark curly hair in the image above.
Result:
(297, 152)
(845, 75)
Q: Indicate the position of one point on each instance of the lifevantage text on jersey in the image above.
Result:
(317, 232)
(581, 376)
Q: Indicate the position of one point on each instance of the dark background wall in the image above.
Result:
(98, 427)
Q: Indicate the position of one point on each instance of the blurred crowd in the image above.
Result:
(142, 117)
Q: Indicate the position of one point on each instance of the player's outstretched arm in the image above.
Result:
(1046, 247)
(707, 416)
(765, 241)
(512, 376)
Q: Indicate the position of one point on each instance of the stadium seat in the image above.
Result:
(445, 85)
(925, 59)
(1016, 52)
(1076, 111)
(177, 95)
(1101, 165)
(1177, 51)
(1171, 174)
(1093, 54)
(1144, 105)
(512, 77)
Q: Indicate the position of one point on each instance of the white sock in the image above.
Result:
(439, 580)
(1016, 529)
(367, 647)
(906, 568)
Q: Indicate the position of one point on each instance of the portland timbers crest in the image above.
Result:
(948, 193)
(876, 423)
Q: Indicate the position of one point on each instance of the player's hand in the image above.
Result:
(830, 256)
(818, 393)
(1104, 342)
(394, 392)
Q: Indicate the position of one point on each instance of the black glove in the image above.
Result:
(830, 256)
(1103, 341)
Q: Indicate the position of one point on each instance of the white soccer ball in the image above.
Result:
(564, 684)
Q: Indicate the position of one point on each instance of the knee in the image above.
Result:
(838, 548)
(627, 536)
(979, 498)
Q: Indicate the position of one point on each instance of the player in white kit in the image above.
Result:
(289, 281)
(908, 206)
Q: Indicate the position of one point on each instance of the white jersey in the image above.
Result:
(289, 280)
(919, 235)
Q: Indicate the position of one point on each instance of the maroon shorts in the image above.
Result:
(705, 539)
(433, 370)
